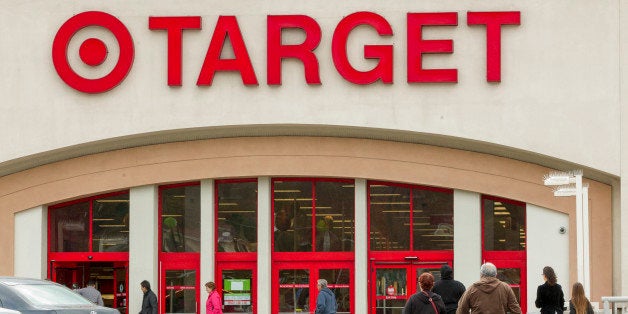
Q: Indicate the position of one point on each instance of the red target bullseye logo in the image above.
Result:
(92, 52)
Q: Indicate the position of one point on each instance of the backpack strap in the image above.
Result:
(431, 301)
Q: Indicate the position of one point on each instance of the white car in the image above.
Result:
(7, 311)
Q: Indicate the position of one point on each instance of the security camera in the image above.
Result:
(562, 230)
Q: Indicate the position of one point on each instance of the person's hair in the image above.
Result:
(322, 282)
(488, 270)
(426, 281)
(91, 283)
(210, 285)
(549, 273)
(579, 300)
(145, 284)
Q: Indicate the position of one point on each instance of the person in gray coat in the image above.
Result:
(326, 300)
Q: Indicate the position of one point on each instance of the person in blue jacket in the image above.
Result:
(326, 300)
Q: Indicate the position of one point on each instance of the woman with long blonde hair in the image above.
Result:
(579, 304)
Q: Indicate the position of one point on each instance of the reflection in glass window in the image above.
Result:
(237, 216)
(180, 218)
(110, 224)
(338, 280)
(393, 207)
(504, 226)
(313, 215)
(107, 217)
(180, 291)
(69, 228)
(433, 220)
(390, 217)
(294, 290)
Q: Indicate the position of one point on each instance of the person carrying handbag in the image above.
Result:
(425, 301)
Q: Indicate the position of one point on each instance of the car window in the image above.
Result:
(50, 295)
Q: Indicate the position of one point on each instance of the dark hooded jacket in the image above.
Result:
(449, 289)
(325, 302)
(489, 295)
(419, 303)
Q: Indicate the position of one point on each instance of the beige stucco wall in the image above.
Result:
(303, 156)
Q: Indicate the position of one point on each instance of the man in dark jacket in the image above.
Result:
(449, 289)
(489, 295)
(149, 302)
(326, 300)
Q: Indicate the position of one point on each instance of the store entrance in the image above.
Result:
(392, 283)
(295, 290)
(111, 279)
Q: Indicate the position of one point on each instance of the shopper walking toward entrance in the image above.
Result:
(489, 295)
(91, 293)
(149, 301)
(425, 301)
(579, 304)
(449, 289)
(326, 300)
(213, 304)
(549, 296)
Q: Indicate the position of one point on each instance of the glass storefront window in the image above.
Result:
(110, 224)
(69, 228)
(339, 280)
(96, 224)
(313, 215)
(294, 290)
(504, 226)
(237, 216)
(180, 218)
(392, 208)
(180, 291)
(433, 220)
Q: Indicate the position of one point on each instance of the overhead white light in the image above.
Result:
(567, 190)
(561, 178)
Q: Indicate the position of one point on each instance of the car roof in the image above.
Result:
(12, 281)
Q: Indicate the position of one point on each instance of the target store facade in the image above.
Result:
(263, 146)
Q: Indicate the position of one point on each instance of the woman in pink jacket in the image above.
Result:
(213, 304)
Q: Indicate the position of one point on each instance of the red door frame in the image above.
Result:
(220, 266)
(178, 261)
(57, 259)
(509, 259)
(54, 265)
(175, 260)
(314, 268)
(412, 285)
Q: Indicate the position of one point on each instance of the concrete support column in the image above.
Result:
(143, 248)
(264, 249)
(31, 243)
(361, 247)
(208, 260)
(467, 236)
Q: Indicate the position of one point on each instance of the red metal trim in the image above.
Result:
(86, 199)
(241, 180)
(410, 186)
(178, 261)
(508, 259)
